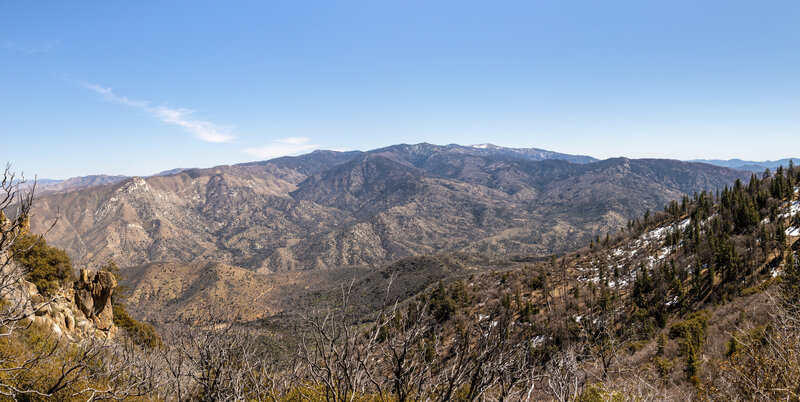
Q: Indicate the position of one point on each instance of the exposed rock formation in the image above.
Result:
(74, 312)
(93, 297)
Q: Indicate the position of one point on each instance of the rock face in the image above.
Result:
(77, 312)
(93, 292)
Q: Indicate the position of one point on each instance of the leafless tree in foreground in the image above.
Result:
(336, 360)
(563, 377)
(216, 358)
(16, 201)
(407, 354)
(16, 310)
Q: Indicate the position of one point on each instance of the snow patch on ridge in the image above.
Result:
(794, 208)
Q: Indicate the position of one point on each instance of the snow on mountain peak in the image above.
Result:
(485, 146)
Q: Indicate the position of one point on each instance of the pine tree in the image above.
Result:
(696, 280)
(790, 286)
(692, 362)
(710, 274)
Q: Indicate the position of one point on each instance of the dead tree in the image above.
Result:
(412, 353)
(16, 201)
(409, 344)
(479, 363)
(563, 377)
(215, 358)
(16, 310)
(336, 360)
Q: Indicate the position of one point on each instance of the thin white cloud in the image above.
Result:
(109, 95)
(46, 48)
(282, 147)
(180, 117)
(203, 130)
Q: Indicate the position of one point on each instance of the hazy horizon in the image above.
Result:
(145, 174)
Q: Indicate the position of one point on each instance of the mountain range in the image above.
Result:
(332, 209)
(76, 183)
(265, 235)
(751, 166)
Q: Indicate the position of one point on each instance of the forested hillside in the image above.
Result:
(698, 301)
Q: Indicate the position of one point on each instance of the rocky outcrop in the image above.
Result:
(93, 297)
(75, 312)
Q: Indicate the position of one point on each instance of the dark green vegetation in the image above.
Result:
(46, 267)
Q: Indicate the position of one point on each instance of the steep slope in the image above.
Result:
(183, 217)
(488, 206)
(165, 292)
(362, 185)
(697, 302)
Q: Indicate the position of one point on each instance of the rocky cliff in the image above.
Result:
(75, 312)
(92, 294)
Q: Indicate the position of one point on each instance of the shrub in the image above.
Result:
(47, 267)
(635, 346)
(598, 392)
(663, 366)
(692, 330)
(537, 282)
(141, 332)
(692, 333)
(662, 344)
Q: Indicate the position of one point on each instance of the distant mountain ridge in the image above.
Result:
(49, 186)
(751, 166)
(311, 163)
(332, 209)
(74, 183)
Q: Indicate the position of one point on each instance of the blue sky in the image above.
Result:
(139, 87)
